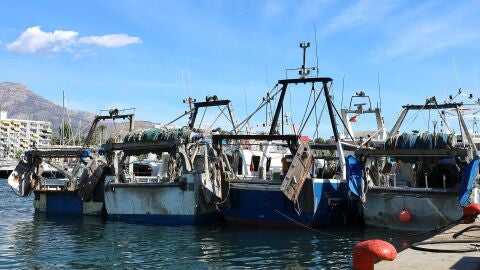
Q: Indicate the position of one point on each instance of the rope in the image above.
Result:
(307, 227)
(417, 246)
(389, 239)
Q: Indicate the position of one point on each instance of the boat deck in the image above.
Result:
(414, 259)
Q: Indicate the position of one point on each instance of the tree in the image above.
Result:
(101, 132)
(321, 140)
(55, 140)
(67, 134)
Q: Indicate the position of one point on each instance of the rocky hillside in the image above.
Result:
(22, 103)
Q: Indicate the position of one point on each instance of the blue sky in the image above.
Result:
(152, 54)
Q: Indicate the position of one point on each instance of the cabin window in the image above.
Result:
(255, 162)
(142, 169)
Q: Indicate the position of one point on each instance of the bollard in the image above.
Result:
(367, 253)
(470, 213)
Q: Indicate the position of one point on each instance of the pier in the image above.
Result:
(446, 256)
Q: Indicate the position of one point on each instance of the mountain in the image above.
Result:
(22, 103)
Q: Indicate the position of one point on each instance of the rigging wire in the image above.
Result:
(203, 116)
(216, 119)
(306, 109)
(320, 118)
(259, 107)
(311, 110)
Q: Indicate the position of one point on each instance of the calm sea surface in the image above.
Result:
(33, 241)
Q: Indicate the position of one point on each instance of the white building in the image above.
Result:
(17, 135)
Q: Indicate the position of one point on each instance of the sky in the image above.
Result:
(150, 55)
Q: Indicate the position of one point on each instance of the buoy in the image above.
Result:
(405, 216)
(470, 213)
(367, 253)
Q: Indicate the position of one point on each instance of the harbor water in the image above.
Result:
(35, 241)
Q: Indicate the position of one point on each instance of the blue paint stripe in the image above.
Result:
(64, 204)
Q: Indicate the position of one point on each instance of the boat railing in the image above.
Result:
(53, 184)
(145, 179)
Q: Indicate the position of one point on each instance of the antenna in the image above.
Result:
(475, 78)
(456, 71)
(266, 76)
(183, 80)
(316, 47)
(189, 82)
(379, 95)
(304, 72)
(343, 89)
(62, 128)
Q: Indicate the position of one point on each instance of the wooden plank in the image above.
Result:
(297, 173)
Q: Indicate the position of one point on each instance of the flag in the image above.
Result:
(354, 118)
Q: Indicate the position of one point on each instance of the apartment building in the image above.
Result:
(18, 135)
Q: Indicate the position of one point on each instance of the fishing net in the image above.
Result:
(158, 134)
(421, 141)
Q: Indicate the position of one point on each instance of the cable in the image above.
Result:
(417, 246)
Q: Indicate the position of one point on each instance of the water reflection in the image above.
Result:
(29, 240)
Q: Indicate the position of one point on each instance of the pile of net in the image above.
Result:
(157, 135)
(421, 141)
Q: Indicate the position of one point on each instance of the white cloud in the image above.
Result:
(361, 13)
(110, 41)
(420, 37)
(34, 40)
(273, 8)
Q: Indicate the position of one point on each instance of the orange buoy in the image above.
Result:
(470, 213)
(405, 216)
(367, 253)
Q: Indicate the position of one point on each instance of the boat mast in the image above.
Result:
(341, 156)
(62, 128)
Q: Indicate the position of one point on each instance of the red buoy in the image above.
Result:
(470, 213)
(367, 253)
(404, 216)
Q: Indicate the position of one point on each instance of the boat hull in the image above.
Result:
(321, 202)
(159, 203)
(430, 209)
(60, 203)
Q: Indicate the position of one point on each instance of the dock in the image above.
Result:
(414, 259)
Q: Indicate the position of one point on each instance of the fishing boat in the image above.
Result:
(187, 184)
(420, 180)
(7, 167)
(283, 182)
(60, 189)
(359, 108)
